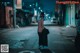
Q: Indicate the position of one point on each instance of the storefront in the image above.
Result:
(67, 11)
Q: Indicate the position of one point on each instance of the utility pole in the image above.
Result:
(14, 12)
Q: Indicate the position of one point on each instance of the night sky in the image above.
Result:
(48, 5)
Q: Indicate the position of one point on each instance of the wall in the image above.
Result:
(8, 16)
(70, 14)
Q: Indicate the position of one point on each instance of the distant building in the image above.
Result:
(6, 12)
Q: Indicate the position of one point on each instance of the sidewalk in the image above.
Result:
(5, 30)
(69, 32)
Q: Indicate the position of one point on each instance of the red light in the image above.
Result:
(67, 2)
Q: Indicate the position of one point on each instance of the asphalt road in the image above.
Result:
(27, 38)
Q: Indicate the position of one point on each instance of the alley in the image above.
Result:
(21, 20)
(27, 38)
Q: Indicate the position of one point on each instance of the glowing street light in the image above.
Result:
(35, 12)
(30, 5)
(39, 8)
(49, 17)
(44, 13)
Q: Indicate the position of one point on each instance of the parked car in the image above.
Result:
(54, 20)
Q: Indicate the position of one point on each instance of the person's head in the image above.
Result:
(42, 15)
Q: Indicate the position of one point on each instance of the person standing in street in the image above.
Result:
(42, 32)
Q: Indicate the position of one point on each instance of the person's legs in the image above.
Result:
(45, 43)
(40, 40)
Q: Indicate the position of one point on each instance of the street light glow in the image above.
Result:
(30, 5)
(39, 8)
(49, 17)
(47, 14)
(35, 12)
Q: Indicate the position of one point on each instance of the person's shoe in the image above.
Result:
(45, 47)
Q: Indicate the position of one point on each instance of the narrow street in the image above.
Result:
(27, 38)
(21, 20)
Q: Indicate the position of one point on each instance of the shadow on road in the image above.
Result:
(45, 51)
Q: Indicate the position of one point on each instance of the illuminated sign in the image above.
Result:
(67, 2)
(19, 4)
